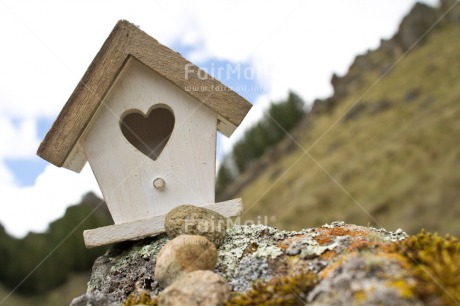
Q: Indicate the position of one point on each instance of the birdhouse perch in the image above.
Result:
(146, 120)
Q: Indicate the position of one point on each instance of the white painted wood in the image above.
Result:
(230, 208)
(148, 227)
(225, 127)
(76, 159)
(125, 175)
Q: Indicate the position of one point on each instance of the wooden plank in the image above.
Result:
(127, 40)
(149, 227)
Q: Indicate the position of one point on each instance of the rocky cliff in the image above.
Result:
(412, 31)
(415, 27)
(336, 264)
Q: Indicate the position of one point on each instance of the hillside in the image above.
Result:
(383, 150)
(53, 265)
(62, 295)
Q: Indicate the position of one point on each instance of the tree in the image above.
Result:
(280, 118)
(224, 177)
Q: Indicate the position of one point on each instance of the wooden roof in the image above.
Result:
(125, 41)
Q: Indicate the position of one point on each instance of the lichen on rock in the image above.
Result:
(364, 279)
(238, 244)
(339, 264)
(126, 268)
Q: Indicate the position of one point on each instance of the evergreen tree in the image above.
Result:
(280, 118)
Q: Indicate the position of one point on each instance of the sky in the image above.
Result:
(260, 48)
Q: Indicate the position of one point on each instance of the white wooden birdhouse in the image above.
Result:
(146, 121)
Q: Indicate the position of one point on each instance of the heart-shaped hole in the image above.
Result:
(149, 134)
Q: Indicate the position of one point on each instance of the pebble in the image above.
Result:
(196, 288)
(193, 220)
(185, 253)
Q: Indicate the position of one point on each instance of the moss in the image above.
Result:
(434, 261)
(360, 296)
(144, 299)
(287, 290)
(405, 289)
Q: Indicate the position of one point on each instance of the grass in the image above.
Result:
(63, 295)
(401, 165)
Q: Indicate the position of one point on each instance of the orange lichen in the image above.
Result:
(284, 244)
(328, 255)
(326, 234)
(323, 239)
(343, 231)
(361, 244)
(340, 231)
(387, 247)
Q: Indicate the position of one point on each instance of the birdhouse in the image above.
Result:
(146, 120)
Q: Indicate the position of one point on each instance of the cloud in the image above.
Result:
(25, 209)
(6, 179)
(18, 140)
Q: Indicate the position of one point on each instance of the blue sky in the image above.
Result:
(46, 48)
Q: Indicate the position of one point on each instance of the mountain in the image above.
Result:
(383, 150)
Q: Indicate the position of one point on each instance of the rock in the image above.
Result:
(379, 106)
(411, 95)
(414, 25)
(96, 299)
(193, 220)
(127, 267)
(185, 253)
(341, 286)
(452, 9)
(351, 263)
(354, 111)
(196, 288)
(337, 83)
(323, 106)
